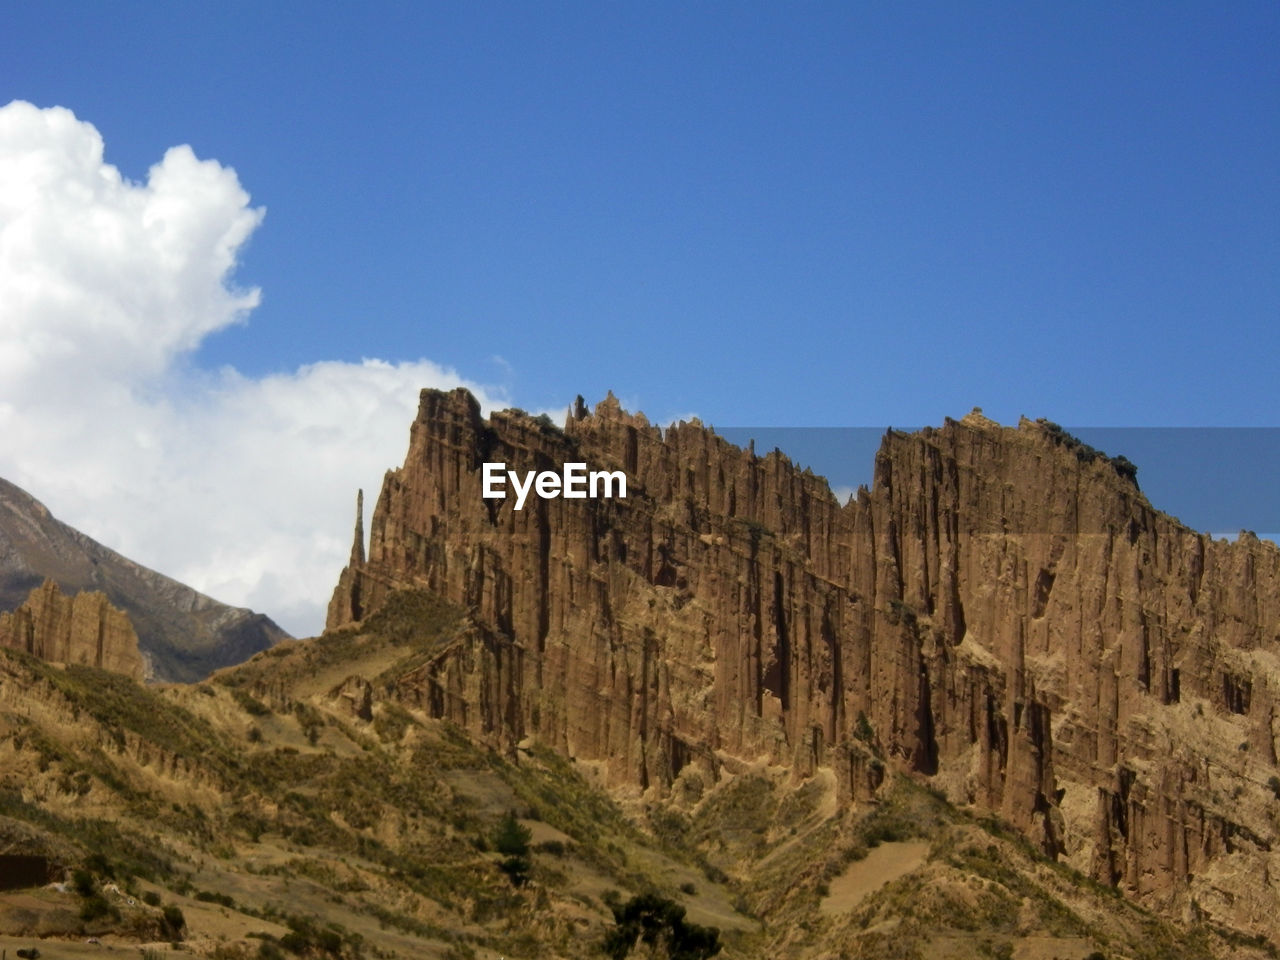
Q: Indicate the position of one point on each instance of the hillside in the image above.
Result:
(184, 634)
(996, 705)
(302, 804)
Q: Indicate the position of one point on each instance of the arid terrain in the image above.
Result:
(996, 705)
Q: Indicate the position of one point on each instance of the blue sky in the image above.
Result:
(769, 213)
(766, 214)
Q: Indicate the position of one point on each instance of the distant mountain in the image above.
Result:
(184, 635)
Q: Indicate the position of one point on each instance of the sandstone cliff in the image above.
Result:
(84, 628)
(184, 634)
(1002, 613)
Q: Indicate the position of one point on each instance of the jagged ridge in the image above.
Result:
(997, 613)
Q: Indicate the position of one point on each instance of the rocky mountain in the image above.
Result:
(726, 712)
(183, 634)
(305, 804)
(84, 628)
(1001, 617)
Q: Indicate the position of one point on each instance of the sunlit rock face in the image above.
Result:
(83, 628)
(1002, 613)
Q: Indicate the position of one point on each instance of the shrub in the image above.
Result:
(174, 922)
(58, 923)
(862, 729)
(512, 837)
(95, 907)
(517, 868)
(714, 873)
(209, 896)
(83, 883)
(659, 924)
(97, 863)
(250, 704)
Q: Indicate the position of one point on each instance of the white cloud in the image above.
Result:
(242, 487)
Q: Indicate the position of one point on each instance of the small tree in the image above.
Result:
(512, 840)
(512, 837)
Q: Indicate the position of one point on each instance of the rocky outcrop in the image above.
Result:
(1002, 612)
(354, 697)
(184, 634)
(345, 606)
(84, 629)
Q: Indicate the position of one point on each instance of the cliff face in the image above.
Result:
(184, 634)
(82, 629)
(1003, 613)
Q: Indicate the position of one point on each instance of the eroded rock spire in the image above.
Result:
(357, 545)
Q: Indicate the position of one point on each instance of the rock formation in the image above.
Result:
(184, 634)
(1002, 613)
(84, 628)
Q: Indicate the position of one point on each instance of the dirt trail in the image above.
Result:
(882, 865)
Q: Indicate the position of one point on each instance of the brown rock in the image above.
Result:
(355, 696)
(184, 634)
(83, 629)
(1002, 612)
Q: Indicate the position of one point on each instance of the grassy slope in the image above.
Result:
(279, 822)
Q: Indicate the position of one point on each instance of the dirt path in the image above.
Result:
(882, 865)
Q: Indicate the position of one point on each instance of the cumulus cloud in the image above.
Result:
(243, 487)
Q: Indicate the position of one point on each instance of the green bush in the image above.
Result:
(174, 922)
(95, 907)
(250, 704)
(659, 924)
(83, 883)
(512, 837)
(209, 896)
(100, 865)
(517, 868)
